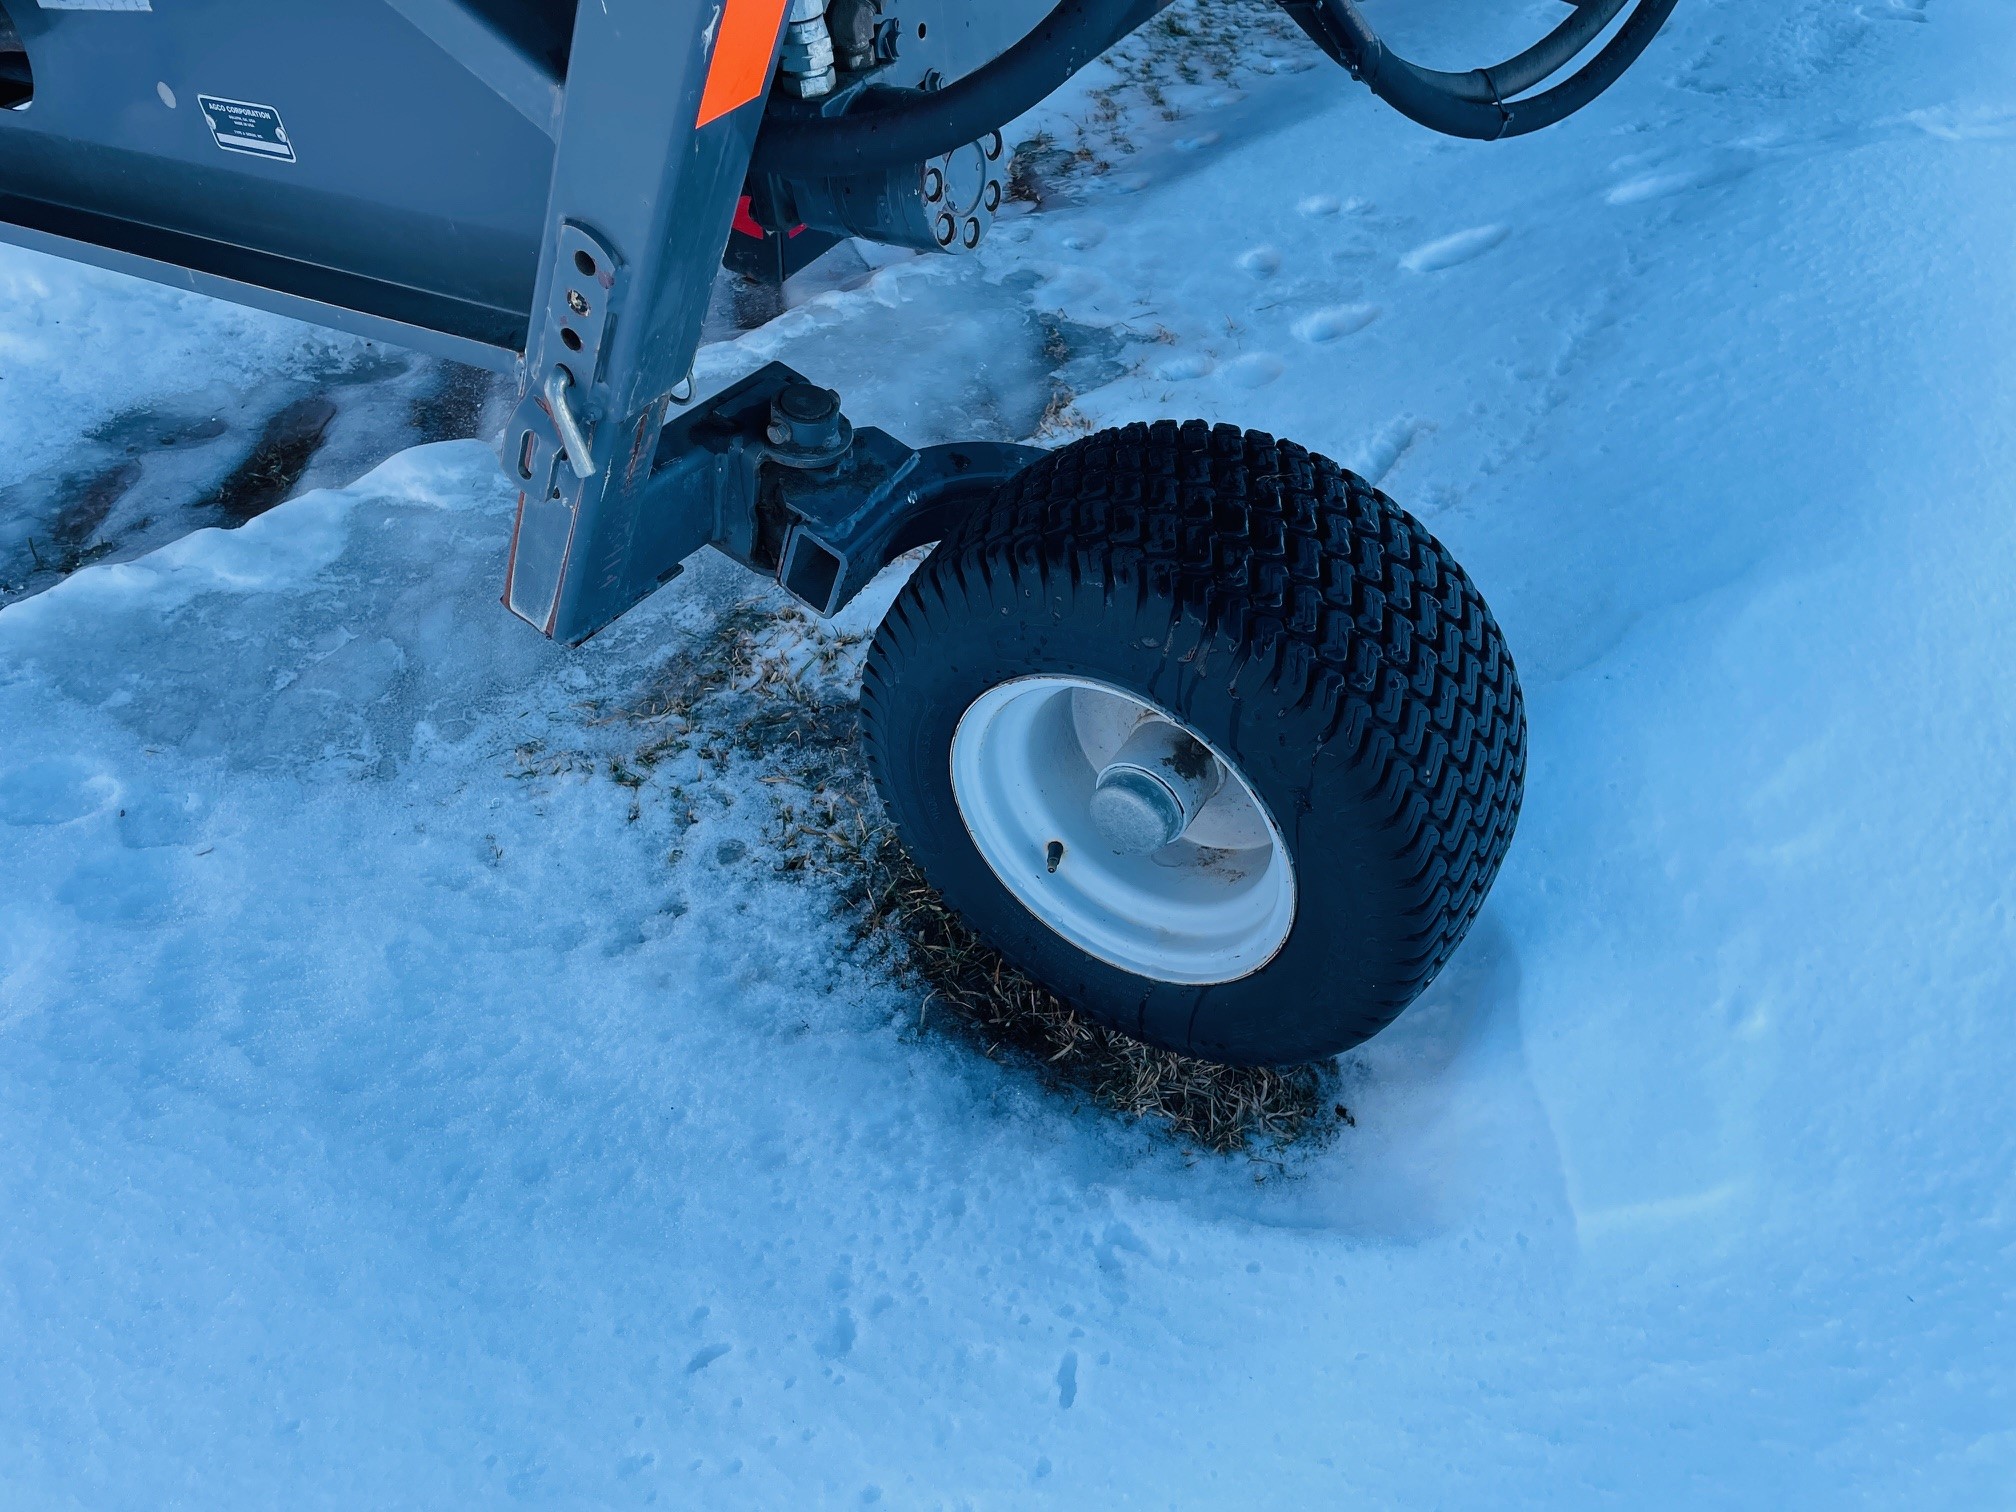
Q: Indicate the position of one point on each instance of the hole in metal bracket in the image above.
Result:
(811, 571)
(17, 79)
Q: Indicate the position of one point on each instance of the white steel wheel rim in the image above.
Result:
(1215, 905)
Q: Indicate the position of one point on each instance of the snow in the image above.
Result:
(391, 1119)
(127, 406)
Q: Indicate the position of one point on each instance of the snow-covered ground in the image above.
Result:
(133, 416)
(396, 1110)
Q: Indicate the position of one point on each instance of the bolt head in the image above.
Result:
(810, 86)
(807, 403)
(806, 424)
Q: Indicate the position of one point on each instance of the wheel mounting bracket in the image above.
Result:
(821, 514)
(768, 471)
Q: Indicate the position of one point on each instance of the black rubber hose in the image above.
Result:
(1539, 62)
(1475, 105)
(888, 127)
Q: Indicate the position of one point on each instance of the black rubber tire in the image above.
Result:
(1295, 617)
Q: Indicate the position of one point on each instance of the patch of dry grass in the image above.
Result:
(1220, 1107)
(1192, 43)
(773, 687)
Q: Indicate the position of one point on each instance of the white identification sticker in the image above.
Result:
(241, 126)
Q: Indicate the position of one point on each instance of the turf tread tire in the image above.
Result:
(1279, 578)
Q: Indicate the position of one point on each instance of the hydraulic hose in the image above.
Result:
(888, 127)
(1478, 105)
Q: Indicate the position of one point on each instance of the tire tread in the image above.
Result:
(1320, 586)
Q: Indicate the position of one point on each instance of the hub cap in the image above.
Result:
(1123, 830)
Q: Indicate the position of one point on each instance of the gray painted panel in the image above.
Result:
(397, 333)
(958, 36)
(480, 45)
(408, 169)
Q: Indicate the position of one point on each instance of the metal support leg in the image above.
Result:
(611, 497)
(663, 99)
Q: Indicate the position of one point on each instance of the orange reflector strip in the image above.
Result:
(741, 65)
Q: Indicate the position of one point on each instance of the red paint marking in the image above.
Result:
(748, 225)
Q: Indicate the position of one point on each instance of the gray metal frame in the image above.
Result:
(413, 212)
(528, 185)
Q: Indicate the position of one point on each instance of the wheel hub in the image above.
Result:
(1149, 792)
(1123, 830)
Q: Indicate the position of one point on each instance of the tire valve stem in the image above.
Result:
(1053, 855)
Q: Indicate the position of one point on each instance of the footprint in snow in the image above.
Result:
(1256, 371)
(1182, 369)
(134, 887)
(1701, 173)
(1083, 238)
(1195, 143)
(54, 790)
(1335, 322)
(1382, 453)
(838, 1339)
(1261, 262)
(1318, 206)
(1950, 125)
(1451, 251)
